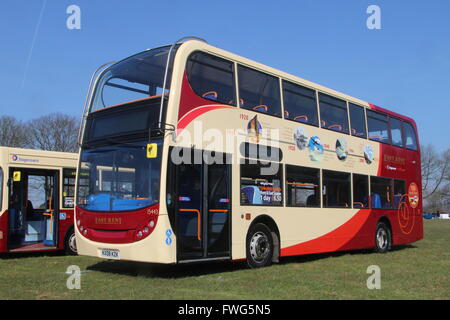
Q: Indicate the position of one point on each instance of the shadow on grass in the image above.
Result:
(320, 256)
(35, 254)
(150, 270)
(403, 247)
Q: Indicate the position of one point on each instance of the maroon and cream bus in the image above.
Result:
(192, 153)
(37, 200)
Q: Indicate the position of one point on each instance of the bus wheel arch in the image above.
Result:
(70, 247)
(383, 235)
(273, 234)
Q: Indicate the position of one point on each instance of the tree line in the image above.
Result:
(435, 179)
(52, 132)
(59, 132)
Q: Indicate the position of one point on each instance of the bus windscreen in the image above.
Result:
(134, 78)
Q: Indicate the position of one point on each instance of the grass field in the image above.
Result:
(417, 271)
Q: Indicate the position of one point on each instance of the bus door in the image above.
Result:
(33, 209)
(202, 194)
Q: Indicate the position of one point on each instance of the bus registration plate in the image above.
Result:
(110, 253)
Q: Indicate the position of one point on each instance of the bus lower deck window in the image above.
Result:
(381, 193)
(360, 191)
(303, 186)
(336, 189)
(261, 184)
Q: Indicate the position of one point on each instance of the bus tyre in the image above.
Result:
(70, 245)
(383, 238)
(259, 246)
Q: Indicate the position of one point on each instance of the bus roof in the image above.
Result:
(192, 45)
(37, 157)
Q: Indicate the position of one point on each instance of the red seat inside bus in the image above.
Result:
(261, 108)
(212, 95)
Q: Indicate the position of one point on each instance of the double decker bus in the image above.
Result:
(37, 198)
(192, 153)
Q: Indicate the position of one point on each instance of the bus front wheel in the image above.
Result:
(259, 246)
(383, 238)
(70, 245)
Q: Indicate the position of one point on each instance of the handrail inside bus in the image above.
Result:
(198, 220)
(358, 203)
(302, 184)
(218, 210)
(199, 217)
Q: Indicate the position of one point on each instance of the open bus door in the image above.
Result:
(202, 199)
(33, 209)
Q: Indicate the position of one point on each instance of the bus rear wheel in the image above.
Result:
(259, 246)
(383, 238)
(70, 244)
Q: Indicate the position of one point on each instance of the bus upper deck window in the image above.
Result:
(333, 113)
(377, 126)
(211, 77)
(299, 103)
(138, 77)
(396, 132)
(259, 91)
(357, 120)
(410, 136)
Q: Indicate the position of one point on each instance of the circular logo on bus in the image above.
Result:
(368, 154)
(315, 149)
(413, 195)
(254, 129)
(301, 138)
(341, 149)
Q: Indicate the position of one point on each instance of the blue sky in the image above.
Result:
(404, 67)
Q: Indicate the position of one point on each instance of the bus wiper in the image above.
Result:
(102, 151)
(108, 141)
(116, 142)
(91, 145)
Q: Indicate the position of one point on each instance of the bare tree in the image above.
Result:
(438, 201)
(435, 169)
(435, 179)
(12, 132)
(54, 132)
